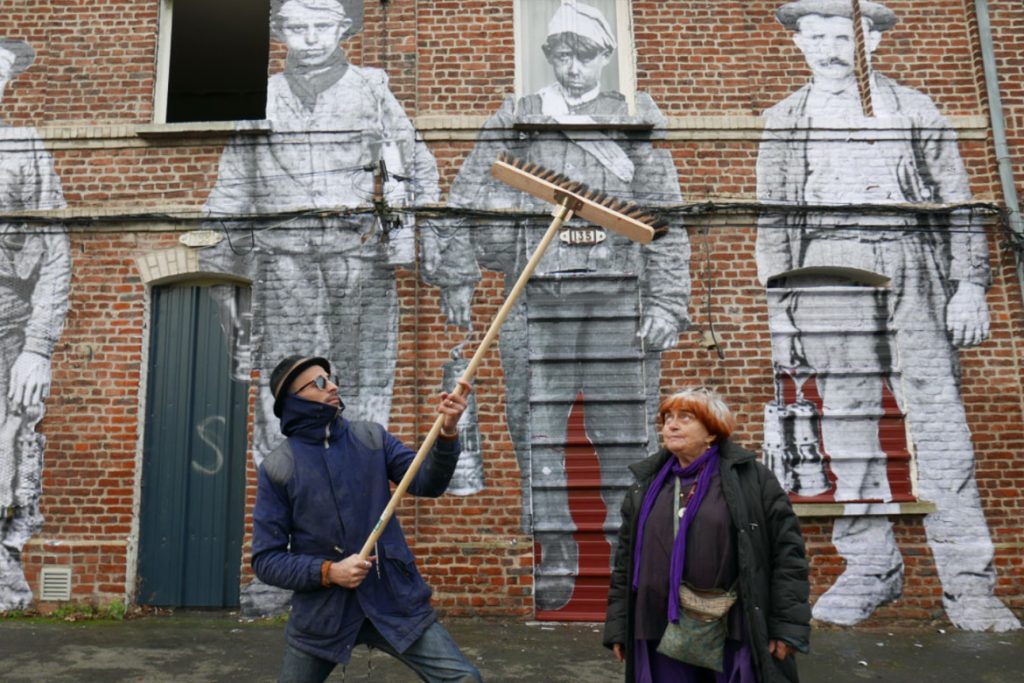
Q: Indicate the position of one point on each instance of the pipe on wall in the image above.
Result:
(995, 107)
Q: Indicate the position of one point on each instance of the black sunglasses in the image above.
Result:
(320, 382)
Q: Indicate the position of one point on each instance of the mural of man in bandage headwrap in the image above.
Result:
(592, 323)
(820, 148)
(295, 205)
(35, 277)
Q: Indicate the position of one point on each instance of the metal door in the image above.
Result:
(193, 472)
(588, 421)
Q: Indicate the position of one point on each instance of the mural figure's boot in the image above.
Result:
(555, 576)
(14, 591)
(874, 571)
(23, 524)
(854, 597)
(979, 613)
(258, 599)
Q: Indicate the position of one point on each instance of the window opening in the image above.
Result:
(213, 60)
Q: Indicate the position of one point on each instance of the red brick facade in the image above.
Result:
(712, 67)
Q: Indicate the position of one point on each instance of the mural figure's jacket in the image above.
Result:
(773, 584)
(319, 495)
(922, 154)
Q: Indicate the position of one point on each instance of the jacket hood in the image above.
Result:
(303, 418)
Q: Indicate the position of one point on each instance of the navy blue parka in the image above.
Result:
(319, 495)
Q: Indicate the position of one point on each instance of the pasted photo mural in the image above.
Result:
(580, 351)
(868, 306)
(35, 278)
(295, 205)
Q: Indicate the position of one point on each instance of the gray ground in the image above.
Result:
(218, 646)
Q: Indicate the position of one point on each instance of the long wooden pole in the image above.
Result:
(562, 213)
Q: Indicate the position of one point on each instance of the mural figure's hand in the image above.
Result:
(455, 304)
(967, 315)
(30, 380)
(659, 333)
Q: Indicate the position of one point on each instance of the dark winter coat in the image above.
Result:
(773, 584)
(319, 496)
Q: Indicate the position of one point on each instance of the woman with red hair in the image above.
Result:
(710, 575)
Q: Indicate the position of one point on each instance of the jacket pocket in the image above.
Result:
(402, 579)
(318, 612)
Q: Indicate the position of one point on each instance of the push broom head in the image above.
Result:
(626, 218)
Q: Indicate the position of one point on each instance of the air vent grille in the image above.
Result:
(55, 584)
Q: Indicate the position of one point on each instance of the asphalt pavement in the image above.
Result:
(214, 647)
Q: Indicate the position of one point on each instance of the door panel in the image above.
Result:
(193, 477)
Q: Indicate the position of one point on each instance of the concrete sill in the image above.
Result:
(201, 129)
(921, 507)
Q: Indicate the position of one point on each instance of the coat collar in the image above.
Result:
(309, 419)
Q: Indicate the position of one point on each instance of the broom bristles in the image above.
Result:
(629, 219)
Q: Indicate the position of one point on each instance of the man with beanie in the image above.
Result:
(319, 496)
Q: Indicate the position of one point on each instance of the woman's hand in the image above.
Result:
(779, 649)
(619, 651)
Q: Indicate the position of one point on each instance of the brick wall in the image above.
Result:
(130, 193)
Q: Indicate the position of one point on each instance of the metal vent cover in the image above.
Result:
(55, 584)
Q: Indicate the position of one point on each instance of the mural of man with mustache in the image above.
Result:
(821, 149)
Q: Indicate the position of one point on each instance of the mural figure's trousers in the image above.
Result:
(340, 306)
(927, 390)
(22, 467)
(575, 336)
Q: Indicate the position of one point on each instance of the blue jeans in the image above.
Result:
(434, 657)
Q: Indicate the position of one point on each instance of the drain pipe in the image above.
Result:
(995, 107)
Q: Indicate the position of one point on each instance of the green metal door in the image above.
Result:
(193, 472)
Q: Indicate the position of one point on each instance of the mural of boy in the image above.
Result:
(938, 273)
(35, 279)
(599, 311)
(323, 275)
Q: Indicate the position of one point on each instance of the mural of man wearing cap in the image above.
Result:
(35, 277)
(938, 272)
(323, 277)
(599, 311)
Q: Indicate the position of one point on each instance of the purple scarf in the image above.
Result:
(704, 467)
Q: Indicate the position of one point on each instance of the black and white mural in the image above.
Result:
(35, 279)
(868, 300)
(588, 332)
(297, 208)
